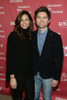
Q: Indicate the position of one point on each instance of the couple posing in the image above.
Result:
(33, 58)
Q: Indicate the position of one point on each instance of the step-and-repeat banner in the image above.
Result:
(8, 13)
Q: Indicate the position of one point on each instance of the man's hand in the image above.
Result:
(54, 83)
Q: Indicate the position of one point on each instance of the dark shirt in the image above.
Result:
(19, 56)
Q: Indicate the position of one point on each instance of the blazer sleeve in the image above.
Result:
(58, 57)
(11, 50)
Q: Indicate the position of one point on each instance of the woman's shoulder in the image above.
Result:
(12, 35)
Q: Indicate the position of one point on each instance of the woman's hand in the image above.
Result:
(13, 83)
(54, 83)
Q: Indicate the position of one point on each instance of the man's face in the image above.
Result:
(42, 20)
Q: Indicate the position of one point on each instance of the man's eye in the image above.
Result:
(45, 17)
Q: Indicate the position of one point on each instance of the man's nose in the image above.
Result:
(42, 19)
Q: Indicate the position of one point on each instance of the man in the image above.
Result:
(48, 55)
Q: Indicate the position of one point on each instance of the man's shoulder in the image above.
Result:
(54, 33)
(34, 33)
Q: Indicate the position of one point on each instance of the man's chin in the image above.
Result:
(42, 26)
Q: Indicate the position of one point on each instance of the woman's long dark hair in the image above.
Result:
(18, 28)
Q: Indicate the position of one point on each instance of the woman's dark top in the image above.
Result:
(19, 56)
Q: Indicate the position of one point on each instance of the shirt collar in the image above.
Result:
(45, 32)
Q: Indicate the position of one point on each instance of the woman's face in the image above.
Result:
(25, 22)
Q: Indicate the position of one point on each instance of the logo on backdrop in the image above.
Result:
(2, 31)
(12, 23)
(1, 45)
(64, 77)
(65, 51)
(1, 7)
(3, 58)
(2, 77)
(23, 7)
(2, 36)
(59, 33)
(15, 1)
(57, 98)
(0, 26)
(51, 6)
(0, 88)
(1, 53)
(1, 12)
(63, 24)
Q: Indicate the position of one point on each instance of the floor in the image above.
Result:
(5, 97)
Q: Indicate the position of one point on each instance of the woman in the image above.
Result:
(20, 57)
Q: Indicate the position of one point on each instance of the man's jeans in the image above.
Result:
(47, 87)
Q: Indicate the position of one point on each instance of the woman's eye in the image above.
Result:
(26, 19)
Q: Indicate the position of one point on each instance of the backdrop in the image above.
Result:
(8, 13)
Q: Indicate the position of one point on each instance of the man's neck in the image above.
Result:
(41, 30)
